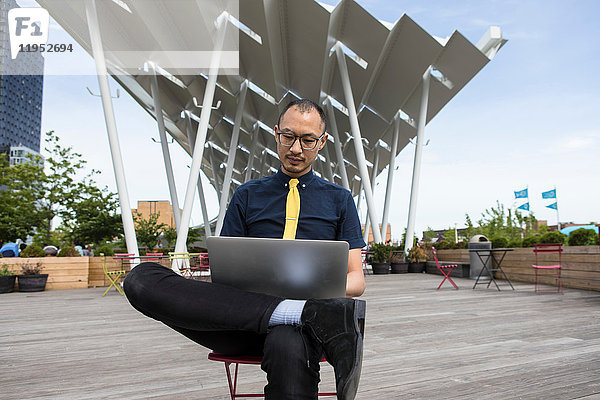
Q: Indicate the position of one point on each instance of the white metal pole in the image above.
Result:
(111, 127)
(390, 177)
(192, 142)
(209, 94)
(359, 203)
(263, 162)
(328, 170)
(215, 170)
(233, 144)
(414, 190)
(337, 144)
(254, 148)
(368, 223)
(358, 146)
(165, 147)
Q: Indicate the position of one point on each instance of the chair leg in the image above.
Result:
(113, 282)
(229, 381)
(447, 276)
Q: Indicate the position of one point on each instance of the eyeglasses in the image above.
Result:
(306, 142)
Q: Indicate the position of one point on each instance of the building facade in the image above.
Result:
(161, 207)
(21, 90)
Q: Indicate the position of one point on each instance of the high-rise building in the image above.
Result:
(21, 89)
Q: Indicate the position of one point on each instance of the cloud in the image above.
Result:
(573, 143)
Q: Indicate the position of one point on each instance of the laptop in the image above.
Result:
(294, 269)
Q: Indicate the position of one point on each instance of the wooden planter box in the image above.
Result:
(462, 271)
(63, 272)
(581, 265)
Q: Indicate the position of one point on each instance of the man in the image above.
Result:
(290, 335)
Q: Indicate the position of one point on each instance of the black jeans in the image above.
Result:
(229, 321)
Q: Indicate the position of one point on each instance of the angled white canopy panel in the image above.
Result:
(286, 51)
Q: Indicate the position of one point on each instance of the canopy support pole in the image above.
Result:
(358, 146)
(165, 147)
(235, 136)
(390, 177)
(373, 177)
(209, 94)
(414, 190)
(255, 132)
(111, 127)
(192, 142)
(337, 145)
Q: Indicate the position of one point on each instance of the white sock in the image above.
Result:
(288, 312)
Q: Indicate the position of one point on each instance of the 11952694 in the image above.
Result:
(47, 48)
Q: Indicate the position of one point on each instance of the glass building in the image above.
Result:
(21, 89)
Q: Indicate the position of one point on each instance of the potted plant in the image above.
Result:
(417, 259)
(7, 279)
(398, 265)
(381, 255)
(31, 280)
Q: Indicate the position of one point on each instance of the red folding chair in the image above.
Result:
(548, 248)
(446, 270)
(248, 360)
(365, 263)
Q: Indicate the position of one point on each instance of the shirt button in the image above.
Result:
(303, 185)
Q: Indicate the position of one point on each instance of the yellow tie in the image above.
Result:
(292, 210)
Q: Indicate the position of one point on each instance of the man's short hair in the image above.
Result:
(305, 105)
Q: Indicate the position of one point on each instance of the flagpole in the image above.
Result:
(557, 217)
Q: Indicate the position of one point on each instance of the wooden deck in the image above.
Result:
(420, 344)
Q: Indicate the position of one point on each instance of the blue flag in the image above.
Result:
(553, 206)
(550, 194)
(524, 206)
(521, 194)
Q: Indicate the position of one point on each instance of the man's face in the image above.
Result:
(295, 160)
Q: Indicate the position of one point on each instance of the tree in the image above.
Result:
(61, 190)
(170, 236)
(194, 234)
(94, 217)
(20, 189)
(148, 230)
(429, 235)
(500, 222)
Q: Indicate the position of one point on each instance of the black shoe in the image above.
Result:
(338, 324)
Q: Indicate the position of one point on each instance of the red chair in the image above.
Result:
(237, 360)
(363, 255)
(443, 269)
(553, 248)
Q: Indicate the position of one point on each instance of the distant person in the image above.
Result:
(51, 251)
(79, 249)
(86, 251)
(10, 249)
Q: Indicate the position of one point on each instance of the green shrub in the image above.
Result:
(499, 242)
(442, 245)
(28, 268)
(417, 254)
(463, 244)
(68, 251)
(105, 249)
(553, 237)
(515, 243)
(33, 250)
(583, 237)
(4, 271)
(381, 252)
(529, 241)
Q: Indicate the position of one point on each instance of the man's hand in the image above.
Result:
(355, 281)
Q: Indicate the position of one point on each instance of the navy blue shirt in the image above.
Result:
(327, 211)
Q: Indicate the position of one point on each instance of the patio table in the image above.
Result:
(497, 256)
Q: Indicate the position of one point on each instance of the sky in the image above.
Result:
(530, 118)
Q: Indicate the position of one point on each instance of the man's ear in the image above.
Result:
(276, 129)
(324, 140)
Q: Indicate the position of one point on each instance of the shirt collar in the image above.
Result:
(304, 180)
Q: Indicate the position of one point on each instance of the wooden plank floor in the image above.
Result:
(420, 344)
